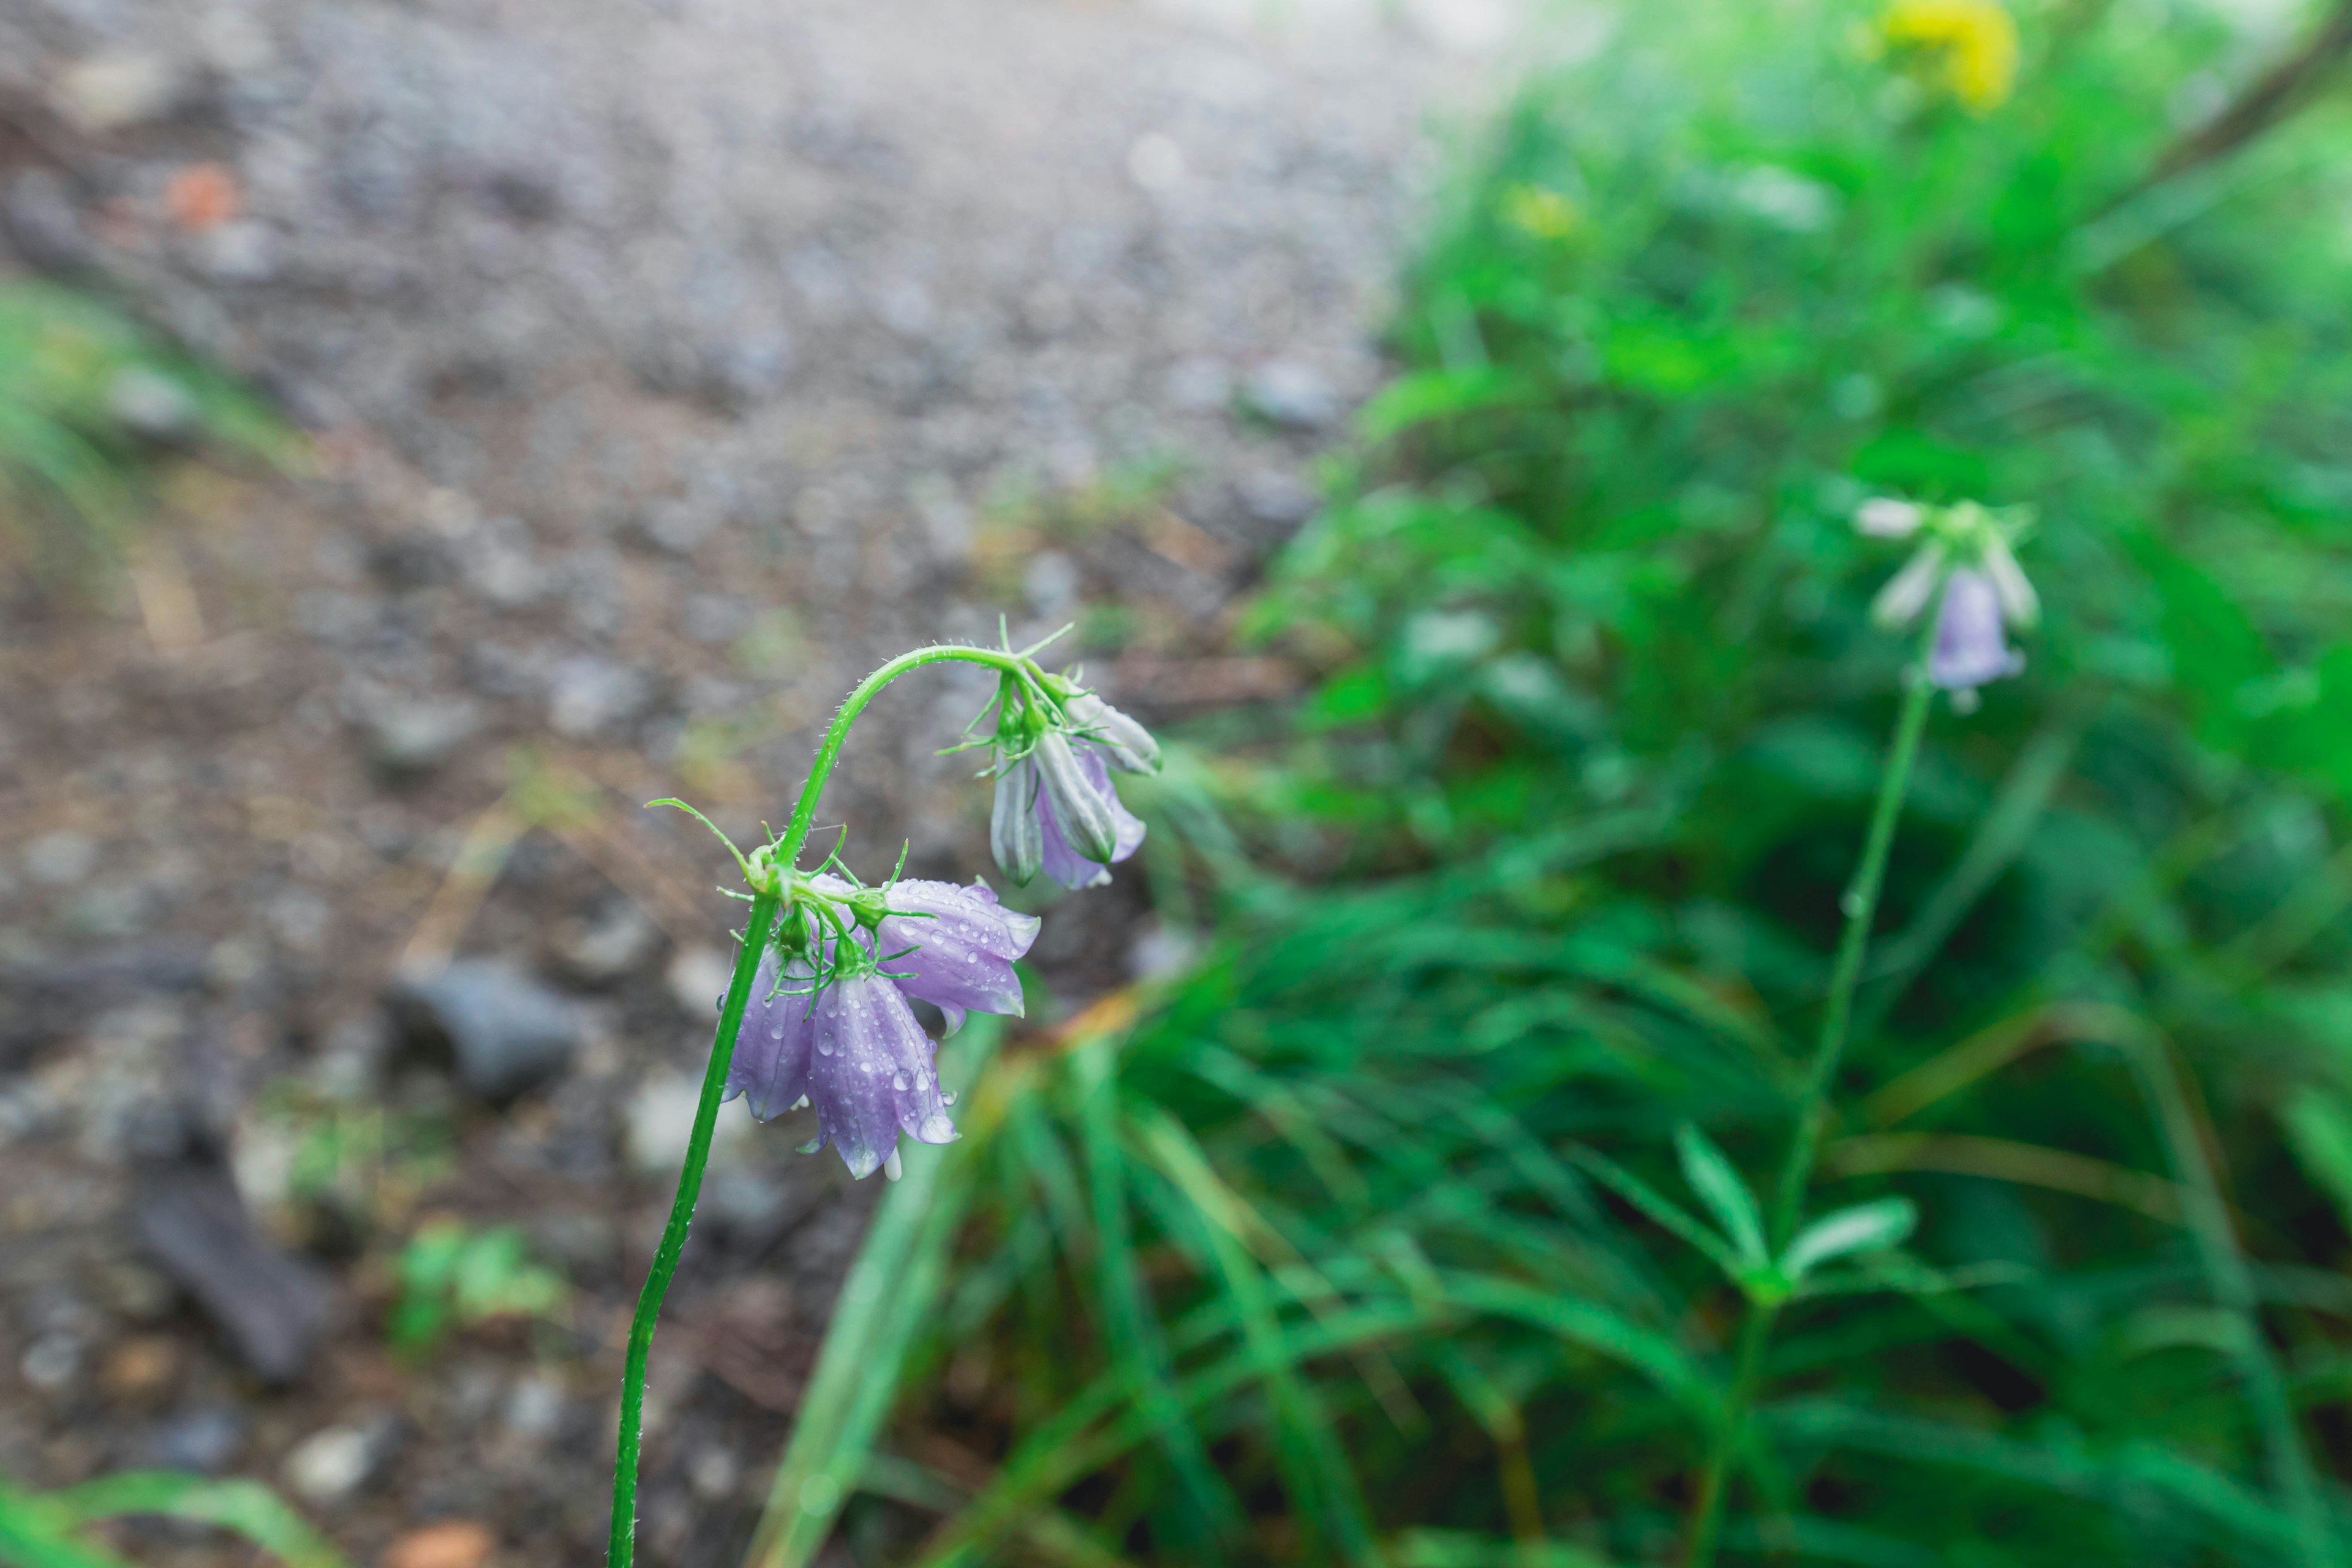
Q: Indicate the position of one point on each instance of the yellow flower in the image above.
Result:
(1974, 43)
(1545, 214)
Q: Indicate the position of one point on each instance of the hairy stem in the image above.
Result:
(673, 1238)
(765, 905)
(1860, 904)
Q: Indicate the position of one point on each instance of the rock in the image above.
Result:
(620, 940)
(409, 738)
(43, 221)
(452, 1544)
(697, 978)
(505, 1032)
(118, 90)
(1297, 396)
(151, 404)
(661, 1124)
(51, 1361)
(60, 858)
(239, 252)
(535, 1408)
(1198, 385)
(206, 1440)
(140, 1368)
(1277, 500)
(274, 1308)
(1052, 582)
(333, 1463)
(586, 694)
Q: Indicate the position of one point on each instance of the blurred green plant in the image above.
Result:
(452, 1276)
(53, 1530)
(1360, 1245)
(88, 400)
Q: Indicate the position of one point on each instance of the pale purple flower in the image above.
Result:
(1057, 811)
(770, 1066)
(871, 1075)
(964, 943)
(1971, 646)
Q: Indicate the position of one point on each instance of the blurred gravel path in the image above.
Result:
(672, 363)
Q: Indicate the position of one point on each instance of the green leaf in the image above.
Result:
(1865, 1227)
(1719, 1187)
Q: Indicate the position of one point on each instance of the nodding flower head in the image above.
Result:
(1056, 810)
(1966, 554)
(828, 1022)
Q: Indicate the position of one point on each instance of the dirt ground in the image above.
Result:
(667, 364)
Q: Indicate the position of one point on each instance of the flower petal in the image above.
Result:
(871, 1076)
(963, 940)
(1128, 744)
(770, 1065)
(1970, 649)
(1907, 592)
(2019, 602)
(1884, 517)
(1074, 796)
(1012, 830)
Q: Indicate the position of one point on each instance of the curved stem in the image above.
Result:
(765, 904)
(795, 834)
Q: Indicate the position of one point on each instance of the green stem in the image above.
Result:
(1860, 903)
(765, 904)
(1715, 1480)
(2232, 1285)
(1861, 906)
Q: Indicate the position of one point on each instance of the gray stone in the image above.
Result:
(620, 939)
(334, 1462)
(275, 1308)
(1297, 396)
(408, 739)
(118, 90)
(60, 858)
(1277, 500)
(504, 1032)
(206, 1440)
(151, 404)
(42, 222)
(586, 695)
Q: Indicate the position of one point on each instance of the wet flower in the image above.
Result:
(963, 943)
(1056, 809)
(836, 1031)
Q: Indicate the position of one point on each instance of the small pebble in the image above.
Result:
(453, 1543)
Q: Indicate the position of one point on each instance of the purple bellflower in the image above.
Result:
(846, 1042)
(1971, 647)
(1965, 552)
(1056, 809)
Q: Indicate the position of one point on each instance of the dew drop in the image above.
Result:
(824, 1044)
(899, 1080)
(947, 1097)
(1851, 905)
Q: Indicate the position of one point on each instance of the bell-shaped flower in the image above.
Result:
(871, 1075)
(1084, 827)
(1016, 831)
(770, 1066)
(1124, 745)
(954, 947)
(1971, 644)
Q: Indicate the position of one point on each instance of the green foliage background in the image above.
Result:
(1357, 1246)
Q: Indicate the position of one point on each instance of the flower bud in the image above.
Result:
(1083, 816)
(1126, 744)
(1013, 830)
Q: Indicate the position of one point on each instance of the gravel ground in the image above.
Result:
(669, 363)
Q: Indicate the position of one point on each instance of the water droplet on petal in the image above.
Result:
(824, 1044)
(947, 1098)
(899, 1080)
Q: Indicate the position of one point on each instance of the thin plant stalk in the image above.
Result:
(1860, 904)
(766, 902)
(2208, 1220)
